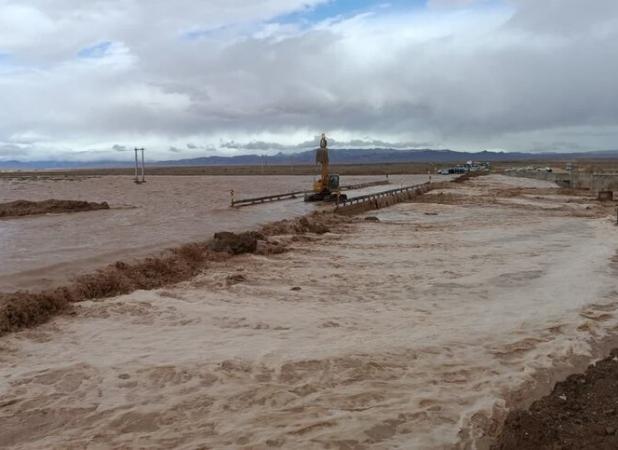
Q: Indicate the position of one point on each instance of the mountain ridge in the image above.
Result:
(337, 156)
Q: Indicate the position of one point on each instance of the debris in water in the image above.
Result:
(235, 279)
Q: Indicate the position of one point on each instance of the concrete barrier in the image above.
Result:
(581, 180)
(604, 182)
(385, 199)
(602, 185)
(379, 200)
(561, 179)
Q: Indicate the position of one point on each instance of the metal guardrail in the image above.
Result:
(292, 195)
(350, 187)
(266, 199)
(377, 195)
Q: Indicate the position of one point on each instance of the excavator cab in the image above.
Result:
(332, 184)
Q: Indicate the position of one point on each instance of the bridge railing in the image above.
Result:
(377, 195)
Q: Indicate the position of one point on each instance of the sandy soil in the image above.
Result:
(167, 211)
(418, 331)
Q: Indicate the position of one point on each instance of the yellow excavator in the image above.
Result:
(326, 189)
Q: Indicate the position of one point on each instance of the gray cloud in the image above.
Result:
(527, 76)
(255, 145)
(11, 151)
(271, 147)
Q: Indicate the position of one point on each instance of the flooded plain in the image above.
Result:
(43, 251)
(415, 332)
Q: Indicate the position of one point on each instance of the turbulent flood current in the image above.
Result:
(417, 331)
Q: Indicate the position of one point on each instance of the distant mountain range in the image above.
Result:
(337, 156)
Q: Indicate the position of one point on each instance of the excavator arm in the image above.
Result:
(327, 187)
(321, 158)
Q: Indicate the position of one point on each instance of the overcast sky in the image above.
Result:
(92, 79)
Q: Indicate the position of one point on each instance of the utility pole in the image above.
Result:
(143, 168)
(137, 166)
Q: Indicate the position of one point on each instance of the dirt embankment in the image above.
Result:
(21, 208)
(24, 309)
(580, 413)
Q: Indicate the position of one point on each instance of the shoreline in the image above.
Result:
(578, 412)
(508, 434)
(23, 309)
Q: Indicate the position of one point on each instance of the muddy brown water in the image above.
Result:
(44, 251)
(418, 331)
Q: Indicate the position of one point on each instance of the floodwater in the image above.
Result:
(43, 251)
(416, 332)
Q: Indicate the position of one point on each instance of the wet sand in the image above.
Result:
(45, 251)
(418, 331)
(580, 413)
